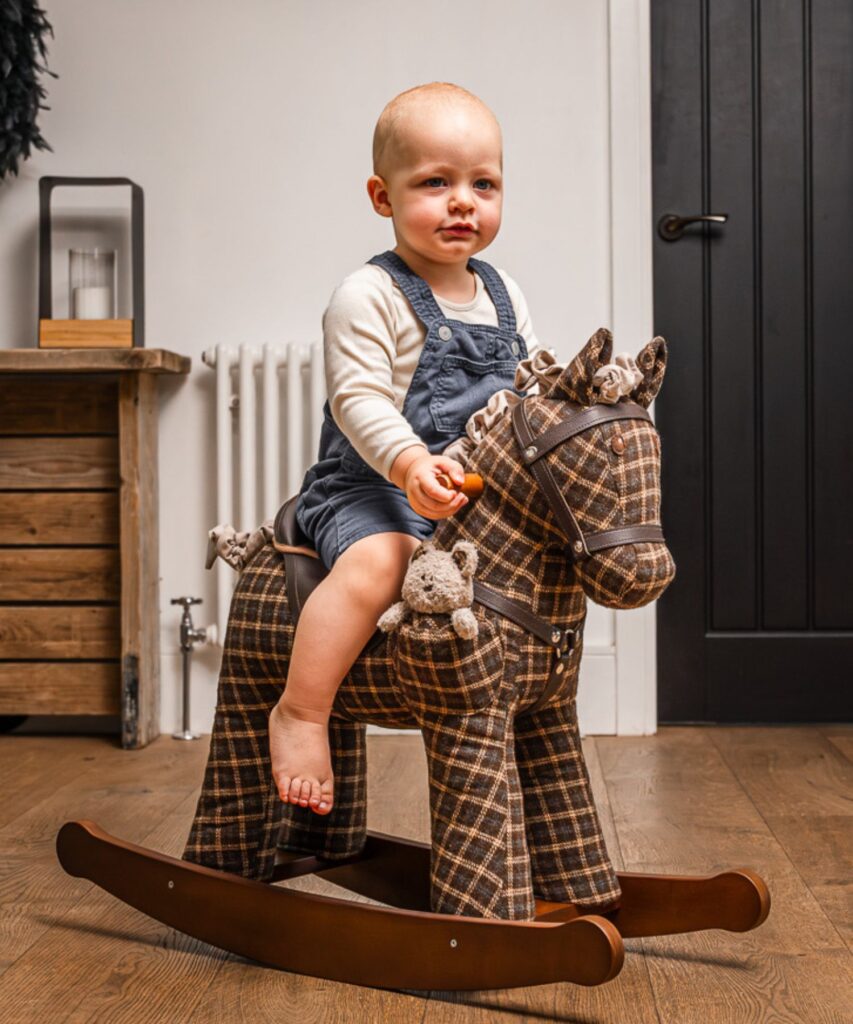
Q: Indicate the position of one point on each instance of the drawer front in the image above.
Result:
(71, 517)
(39, 633)
(60, 688)
(58, 405)
(41, 463)
(60, 574)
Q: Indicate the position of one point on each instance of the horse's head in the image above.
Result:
(597, 467)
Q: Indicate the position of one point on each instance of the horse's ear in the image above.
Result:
(575, 382)
(652, 363)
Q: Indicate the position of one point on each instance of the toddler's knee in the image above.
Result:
(374, 568)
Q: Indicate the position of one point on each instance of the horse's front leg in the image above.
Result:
(568, 857)
(479, 864)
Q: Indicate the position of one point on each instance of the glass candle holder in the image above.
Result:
(92, 284)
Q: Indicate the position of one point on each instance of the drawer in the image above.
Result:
(38, 633)
(47, 404)
(60, 688)
(60, 574)
(72, 517)
(41, 463)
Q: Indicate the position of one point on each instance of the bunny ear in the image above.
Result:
(652, 363)
(575, 382)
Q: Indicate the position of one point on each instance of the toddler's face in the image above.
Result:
(445, 171)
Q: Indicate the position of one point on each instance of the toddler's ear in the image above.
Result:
(575, 382)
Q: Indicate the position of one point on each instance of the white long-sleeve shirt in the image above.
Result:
(372, 343)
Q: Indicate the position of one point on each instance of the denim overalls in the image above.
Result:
(461, 366)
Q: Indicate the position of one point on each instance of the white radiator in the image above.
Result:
(269, 412)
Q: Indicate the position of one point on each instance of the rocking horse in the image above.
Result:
(516, 887)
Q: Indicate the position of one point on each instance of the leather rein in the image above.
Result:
(581, 545)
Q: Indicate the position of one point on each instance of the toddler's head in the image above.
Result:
(437, 172)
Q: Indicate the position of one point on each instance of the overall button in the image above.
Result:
(445, 332)
(516, 348)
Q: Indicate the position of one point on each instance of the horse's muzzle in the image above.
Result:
(628, 576)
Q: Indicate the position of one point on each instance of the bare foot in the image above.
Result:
(300, 756)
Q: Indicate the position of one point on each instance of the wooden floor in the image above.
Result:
(689, 800)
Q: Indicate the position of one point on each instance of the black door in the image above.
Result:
(753, 119)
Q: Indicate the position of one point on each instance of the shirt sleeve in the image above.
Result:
(359, 349)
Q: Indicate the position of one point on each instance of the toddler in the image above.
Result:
(415, 341)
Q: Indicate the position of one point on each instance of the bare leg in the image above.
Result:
(336, 622)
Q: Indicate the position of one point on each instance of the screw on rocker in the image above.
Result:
(516, 887)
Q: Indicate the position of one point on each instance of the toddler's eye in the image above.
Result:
(434, 182)
(483, 181)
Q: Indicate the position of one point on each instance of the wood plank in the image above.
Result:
(678, 808)
(60, 688)
(63, 574)
(45, 404)
(134, 792)
(66, 463)
(802, 787)
(140, 561)
(73, 517)
(40, 633)
(31, 765)
(43, 360)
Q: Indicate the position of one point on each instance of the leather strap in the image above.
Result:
(582, 419)
(648, 533)
(530, 453)
(532, 450)
(521, 616)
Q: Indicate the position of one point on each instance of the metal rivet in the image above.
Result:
(516, 348)
(531, 451)
(617, 444)
(453, 943)
(578, 546)
(555, 636)
(559, 668)
(445, 333)
(171, 885)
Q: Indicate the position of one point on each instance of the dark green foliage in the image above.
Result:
(23, 30)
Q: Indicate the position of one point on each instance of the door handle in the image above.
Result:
(671, 226)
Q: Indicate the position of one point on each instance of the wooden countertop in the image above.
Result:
(92, 360)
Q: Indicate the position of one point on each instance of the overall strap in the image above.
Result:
(416, 290)
(497, 292)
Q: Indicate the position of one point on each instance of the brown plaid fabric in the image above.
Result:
(511, 806)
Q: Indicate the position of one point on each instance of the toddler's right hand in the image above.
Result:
(426, 494)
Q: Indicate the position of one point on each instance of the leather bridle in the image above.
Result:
(533, 448)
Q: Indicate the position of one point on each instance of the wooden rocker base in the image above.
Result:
(404, 945)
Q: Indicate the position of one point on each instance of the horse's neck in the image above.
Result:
(537, 574)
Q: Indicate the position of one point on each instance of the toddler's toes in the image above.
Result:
(305, 793)
(295, 790)
(326, 798)
(284, 788)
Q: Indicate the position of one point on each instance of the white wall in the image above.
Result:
(249, 127)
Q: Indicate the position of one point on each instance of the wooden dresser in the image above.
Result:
(79, 571)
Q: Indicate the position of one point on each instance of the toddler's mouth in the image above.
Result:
(459, 229)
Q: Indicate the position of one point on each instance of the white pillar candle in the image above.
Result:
(93, 303)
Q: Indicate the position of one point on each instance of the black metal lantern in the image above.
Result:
(92, 280)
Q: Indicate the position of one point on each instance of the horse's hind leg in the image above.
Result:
(479, 864)
(568, 857)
